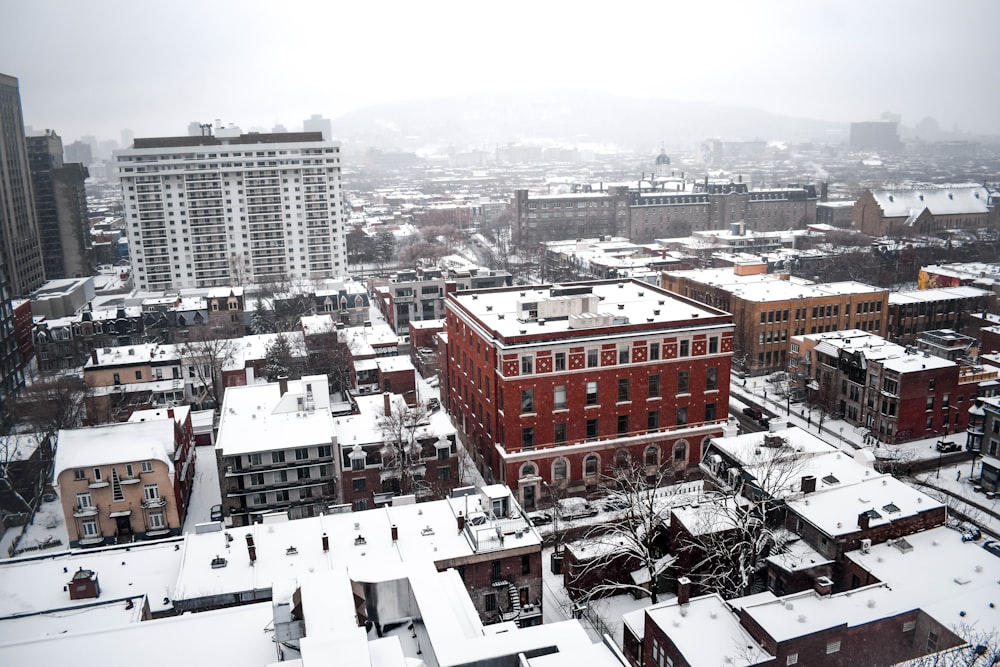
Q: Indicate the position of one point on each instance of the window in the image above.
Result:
(528, 437)
(156, 521)
(833, 647)
(490, 602)
(280, 476)
(361, 505)
(792, 659)
(301, 453)
(591, 358)
(495, 569)
(559, 469)
(129, 471)
(623, 389)
(624, 355)
(590, 465)
(528, 470)
(652, 420)
(360, 485)
(151, 491)
(713, 345)
(278, 457)
(84, 500)
(526, 564)
(358, 463)
(652, 455)
(653, 390)
(711, 379)
(682, 416)
(138, 375)
(654, 351)
(622, 424)
(79, 474)
(932, 642)
(560, 433)
(97, 474)
(325, 450)
(710, 412)
(685, 348)
(88, 528)
(559, 397)
(591, 429)
(281, 496)
(682, 382)
(592, 393)
(527, 401)
(560, 361)
(527, 365)
(680, 451)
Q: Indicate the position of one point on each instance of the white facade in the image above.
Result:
(212, 211)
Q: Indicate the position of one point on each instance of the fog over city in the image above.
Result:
(97, 67)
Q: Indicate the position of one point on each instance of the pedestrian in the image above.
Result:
(958, 475)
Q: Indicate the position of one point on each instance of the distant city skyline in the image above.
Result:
(97, 68)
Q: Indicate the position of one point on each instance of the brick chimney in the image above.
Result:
(864, 521)
(84, 585)
(461, 522)
(93, 356)
(326, 543)
(394, 532)
(386, 404)
(683, 590)
(251, 549)
(283, 385)
(808, 483)
(170, 413)
(823, 585)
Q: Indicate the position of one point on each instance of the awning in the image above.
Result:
(117, 514)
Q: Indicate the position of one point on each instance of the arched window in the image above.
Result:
(591, 465)
(652, 455)
(621, 458)
(560, 470)
(680, 451)
(528, 470)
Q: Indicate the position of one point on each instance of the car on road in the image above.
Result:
(753, 413)
(575, 508)
(215, 513)
(540, 518)
(615, 504)
(944, 446)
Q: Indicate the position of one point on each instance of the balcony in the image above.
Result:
(81, 511)
(153, 502)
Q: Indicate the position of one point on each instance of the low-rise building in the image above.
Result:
(275, 450)
(913, 312)
(127, 481)
(921, 211)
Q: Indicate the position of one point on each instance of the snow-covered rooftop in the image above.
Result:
(940, 201)
(114, 443)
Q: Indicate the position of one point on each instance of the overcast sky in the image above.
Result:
(97, 66)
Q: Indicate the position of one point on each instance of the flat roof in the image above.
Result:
(765, 287)
(114, 443)
(627, 302)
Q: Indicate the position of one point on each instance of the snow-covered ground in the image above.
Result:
(205, 491)
(601, 616)
(46, 533)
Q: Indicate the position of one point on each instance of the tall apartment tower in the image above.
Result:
(11, 366)
(316, 123)
(210, 211)
(19, 244)
(61, 208)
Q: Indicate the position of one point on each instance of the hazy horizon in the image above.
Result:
(99, 67)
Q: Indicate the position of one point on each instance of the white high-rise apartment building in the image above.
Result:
(210, 211)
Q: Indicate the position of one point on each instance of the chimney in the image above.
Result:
(683, 590)
(461, 522)
(84, 585)
(326, 543)
(251, 549)
(739, 178)
(283, 384)
(808, 483)
(823, 585)
(864, 520)
(93, 356)
(395, 532)
(170, 412)
(386, 404)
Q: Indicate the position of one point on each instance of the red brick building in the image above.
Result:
(557, 384)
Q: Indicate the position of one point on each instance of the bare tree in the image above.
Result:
(636, 538)
(724, 541)
(978, 647)
(208, 352)
(49, 405)
(25, 467)
(407, 442)
(329, 354)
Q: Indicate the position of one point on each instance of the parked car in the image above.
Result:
(575, 508)
(753, 413)
(615, 504)
(540, 518)
(215, 513)
(944, 446)
(992, 546)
